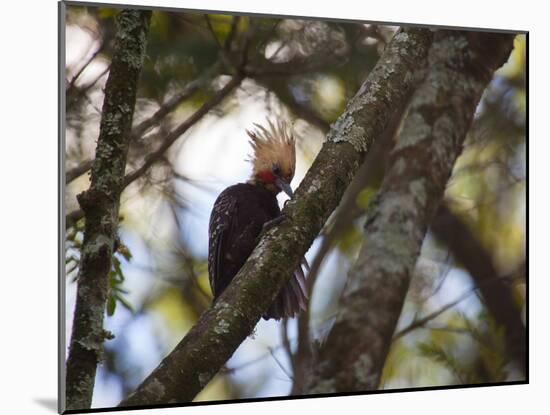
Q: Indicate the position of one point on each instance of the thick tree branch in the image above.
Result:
(460, 66)
(467, 249)
(100, 204)
(222, 328)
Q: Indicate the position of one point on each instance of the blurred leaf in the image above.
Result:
(329, 98)
(350, 240)
(221, 24)
(124, 302)
(116, 279)
(159, 24)
(111, 305)
(203, 281)
(364, 197)
(106, 12)
(125, 252)
(516, 63)
(437, 352)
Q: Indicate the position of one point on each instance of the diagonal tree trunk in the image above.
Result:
(222, 328)
(100, 204)
(460, 66)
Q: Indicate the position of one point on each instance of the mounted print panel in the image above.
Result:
(271, 207)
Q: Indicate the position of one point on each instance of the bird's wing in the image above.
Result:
(220, 224)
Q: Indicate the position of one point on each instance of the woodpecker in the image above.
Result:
(243, 210)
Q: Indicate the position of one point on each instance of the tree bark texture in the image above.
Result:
(222, 328)
(496, 293)
(100, 204)
(370, 174)
(460, 66)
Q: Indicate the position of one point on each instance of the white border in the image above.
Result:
(28, 170)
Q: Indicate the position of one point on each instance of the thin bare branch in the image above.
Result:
(421, 322)
(100, 49)
(81, 92)
(281, 366)
(228, 45)
(78, 171)
(417, 323)
(157, 155)
(467, 249)
(152, 158)
(212, 31)
(286, 343)
(165, 109)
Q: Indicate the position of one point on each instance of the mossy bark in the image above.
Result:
(460, 66)
(100, 204)
(222, 328)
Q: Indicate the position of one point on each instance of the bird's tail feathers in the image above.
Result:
(292, 298)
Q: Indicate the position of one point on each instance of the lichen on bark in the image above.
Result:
(460, 66)
(100, 204)
(359, 125)
(222, 328)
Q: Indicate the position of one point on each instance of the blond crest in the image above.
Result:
(274, 145)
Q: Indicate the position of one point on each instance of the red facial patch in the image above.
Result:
(266, 176)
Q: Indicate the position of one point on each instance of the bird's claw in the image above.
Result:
(270, 224)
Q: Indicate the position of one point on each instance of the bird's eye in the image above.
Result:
(276, 170)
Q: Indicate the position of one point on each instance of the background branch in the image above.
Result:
(421, 322)
(99, 50)
(169, 139)
(467, 249)
(165, 109)
(460, 66)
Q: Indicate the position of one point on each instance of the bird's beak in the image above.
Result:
(284, 186)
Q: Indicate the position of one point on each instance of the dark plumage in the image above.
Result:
(241, 211)
(235, 223)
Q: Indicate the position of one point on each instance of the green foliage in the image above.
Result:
(488, 184)
(180, 48)
(107, 12)
(350, 240)
(484, 361)
(116, 279)
(221, 25)
(73, 245)
(364, 197)
(491, 341)
(438, 353)
(116, 293)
